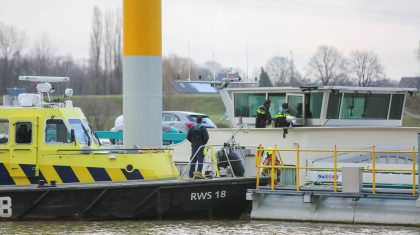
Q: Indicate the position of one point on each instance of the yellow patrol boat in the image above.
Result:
(52, 165)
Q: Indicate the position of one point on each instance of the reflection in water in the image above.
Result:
(195, 227)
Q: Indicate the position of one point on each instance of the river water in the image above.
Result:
(196, 227)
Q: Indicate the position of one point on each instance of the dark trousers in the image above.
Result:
(198, 158)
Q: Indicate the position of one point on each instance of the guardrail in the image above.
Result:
(277, 157)
(168, 138)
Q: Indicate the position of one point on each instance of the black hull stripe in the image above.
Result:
(99, 174)
(66, 174)
(5, 178)
(29, 171)
(135, 175)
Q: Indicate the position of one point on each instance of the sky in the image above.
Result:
(233, 29)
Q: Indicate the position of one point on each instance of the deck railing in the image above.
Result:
(278, 152)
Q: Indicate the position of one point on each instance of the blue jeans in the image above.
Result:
(198, 158)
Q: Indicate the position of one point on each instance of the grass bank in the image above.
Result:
(101, 111)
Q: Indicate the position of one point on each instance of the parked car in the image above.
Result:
(119, 126)
(182, 120)
(173, 120)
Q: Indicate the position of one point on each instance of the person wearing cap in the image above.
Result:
(263, 115)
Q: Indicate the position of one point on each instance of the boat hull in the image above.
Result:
(215, 198)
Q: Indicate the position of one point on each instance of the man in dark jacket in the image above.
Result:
(263, 115)
(198, 136)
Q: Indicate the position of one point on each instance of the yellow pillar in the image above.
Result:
(142, 73)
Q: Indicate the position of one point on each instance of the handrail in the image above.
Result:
(298, 167)
(214, 160)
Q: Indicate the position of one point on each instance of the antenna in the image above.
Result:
(214, 76)
(189, 62)
(44, 79)
(246, 48)
(44, 85)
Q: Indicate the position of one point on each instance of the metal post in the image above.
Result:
(297, 182)
(373, 169)
(418, 164)
(335, 168)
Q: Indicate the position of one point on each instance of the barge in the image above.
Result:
(52, 165)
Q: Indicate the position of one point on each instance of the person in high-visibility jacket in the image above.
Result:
(263, 115)
(268, 162)
(280, 117)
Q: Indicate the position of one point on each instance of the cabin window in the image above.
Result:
(365, 106)
(397, 104)
(334, 103)
(4, 131)
(246, 104)
(56, 132)
(80, 131)
(313, 102)
(276, 102)
(23, 134)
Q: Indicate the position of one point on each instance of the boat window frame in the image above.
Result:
(17, 129)
(54, 142)
(276, 94)
(6, 135)
(364, 95)
(85, 132)
(264, 93)
(401, 111)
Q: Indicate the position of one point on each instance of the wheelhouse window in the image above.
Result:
(313, 102)
(23, 132)
(83, 131)
(4, 131)
(365, 106)
(334, 103)
(277, 99)
(246, 104)
(56, 131)
(397, 104)
(80, 131)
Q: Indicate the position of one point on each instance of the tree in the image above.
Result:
(365, 67)
(42, 55)
(264, 79)
(278, 69)
(109, 40)
(327, 65)
(96, 48)
(11, 44)
(116, 86)
(213, 67)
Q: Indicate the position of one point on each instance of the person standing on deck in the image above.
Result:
(198, 136)
(263, 115)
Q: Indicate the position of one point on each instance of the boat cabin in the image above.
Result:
(324, 106)
(46, 141)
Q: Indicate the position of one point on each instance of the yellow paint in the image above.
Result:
(334, 168)
(153, 164)
(115, 174)
(142, 28)
(49, 173)
(21, 180)
(82, 174)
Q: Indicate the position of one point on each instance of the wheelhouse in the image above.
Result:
(325, 106)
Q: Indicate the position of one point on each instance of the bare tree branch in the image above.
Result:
(327, 65)
(365, 67)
